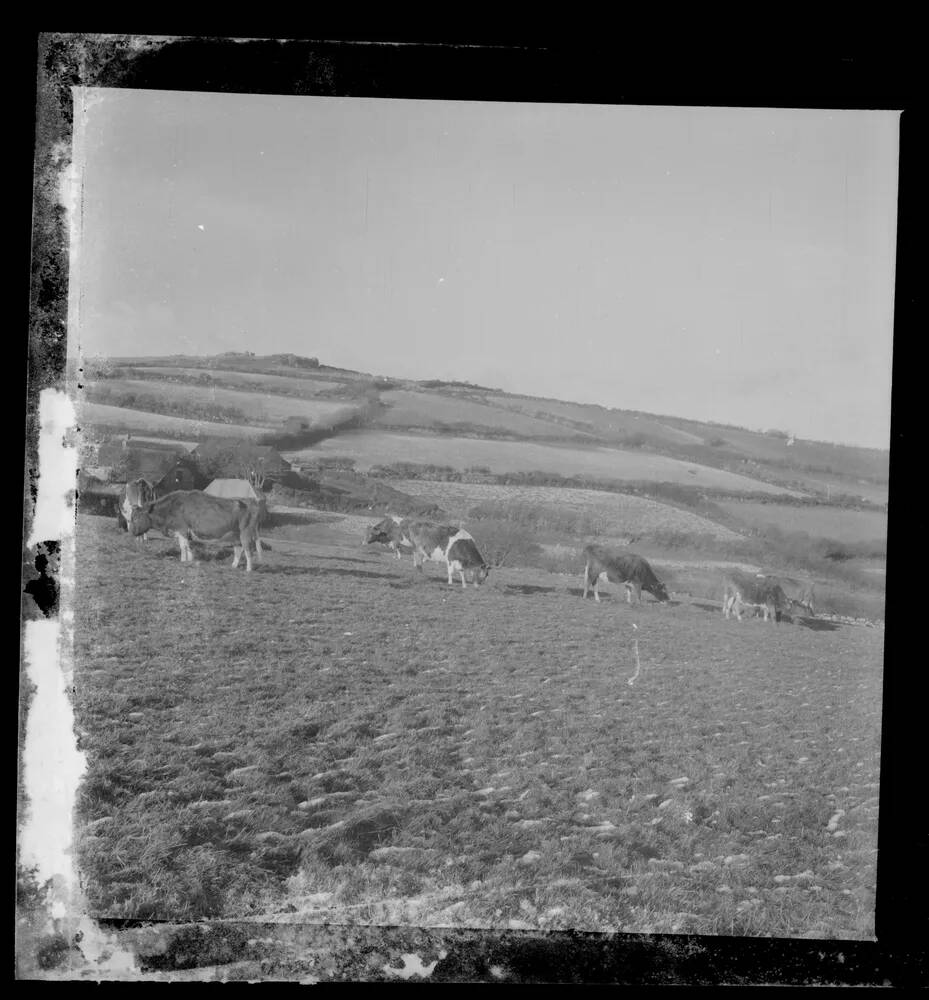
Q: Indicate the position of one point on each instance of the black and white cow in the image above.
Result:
(626, 568)
(445, 544)
(388, 532)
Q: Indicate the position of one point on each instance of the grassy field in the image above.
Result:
(430, 409)
(618, 515)
(825, 522)
(333, 739)
(369, 448)
(260, 408)
(99, 416)
(306, 386)
(606, 423)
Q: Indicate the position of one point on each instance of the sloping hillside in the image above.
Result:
(247, 395)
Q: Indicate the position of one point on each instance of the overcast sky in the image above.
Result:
(719, 264)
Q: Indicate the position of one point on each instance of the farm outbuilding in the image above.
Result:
(232, 489)
(124, 458)
(224, 459)
(182, 475)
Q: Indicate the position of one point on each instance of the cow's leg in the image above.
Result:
(586, 579)
(248, 558)
(738, 607)
(597, 590)
(237, 554)
(186, 554)
(451, 574)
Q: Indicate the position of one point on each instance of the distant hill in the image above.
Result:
(255, 395)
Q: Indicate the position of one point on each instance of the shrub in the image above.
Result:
(503, 543)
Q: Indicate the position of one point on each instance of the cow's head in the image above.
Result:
(140, 519)
(477, 574)
(659, 590)
(375, 534)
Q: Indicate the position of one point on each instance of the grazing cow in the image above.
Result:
(742, 590)
(390, 533)
(443, 543)
(134, 494)
(260, 517)
(798, 592)
(190, 514)
(626, 568)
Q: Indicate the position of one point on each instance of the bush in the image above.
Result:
(503, 543)
(539, 518)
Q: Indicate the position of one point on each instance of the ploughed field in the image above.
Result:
(332, 738)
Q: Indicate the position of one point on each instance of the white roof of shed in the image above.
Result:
(238, 489)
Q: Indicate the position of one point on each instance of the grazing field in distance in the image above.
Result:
(405, 408)
(260, 408)
(95, 416)
(824, 522)
(616, 514)
(306, 386)
(369, 448)
(332, 738)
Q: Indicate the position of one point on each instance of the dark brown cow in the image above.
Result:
(190, 514)
(742, 590)
(626, 568)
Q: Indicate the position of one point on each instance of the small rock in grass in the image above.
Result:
(530, 858)
(239, 771)
(679, 782)
(723, 889)
(240, 814)
(663, 864)
(834, 819)
(271, 835)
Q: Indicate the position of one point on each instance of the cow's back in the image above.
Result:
(426, 536)
(204, 514)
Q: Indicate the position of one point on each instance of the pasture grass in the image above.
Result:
(338, 739)
(375, 447)
(847, 526)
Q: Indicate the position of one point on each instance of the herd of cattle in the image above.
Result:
(191, 515)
